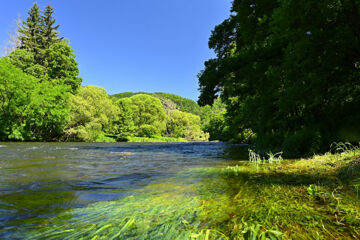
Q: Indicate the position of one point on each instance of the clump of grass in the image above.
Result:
(344, 148)
(257, 159)
(275, 158)
(254, 157)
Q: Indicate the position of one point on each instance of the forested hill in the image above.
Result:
(169, 101)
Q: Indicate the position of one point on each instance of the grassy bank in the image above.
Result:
(315, 198)
(155, 139)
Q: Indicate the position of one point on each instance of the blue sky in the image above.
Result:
(133, 45)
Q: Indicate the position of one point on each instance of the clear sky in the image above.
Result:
(133, 45)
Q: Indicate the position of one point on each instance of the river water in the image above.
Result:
(39, 181)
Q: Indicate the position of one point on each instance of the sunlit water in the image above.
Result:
(41, 180)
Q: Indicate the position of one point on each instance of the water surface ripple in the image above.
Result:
(41, 180)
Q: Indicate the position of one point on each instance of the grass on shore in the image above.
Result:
(315, 198)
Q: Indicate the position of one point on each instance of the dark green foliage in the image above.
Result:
(289, 71)
(43, 54)
(31, 34)
(50, 34)
(213, 121)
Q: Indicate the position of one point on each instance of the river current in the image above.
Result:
(41, 180)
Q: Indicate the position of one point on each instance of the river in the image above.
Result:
(40, 181)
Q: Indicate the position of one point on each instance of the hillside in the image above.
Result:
(169, 101)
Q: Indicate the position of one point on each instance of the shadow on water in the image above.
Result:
(41, 180)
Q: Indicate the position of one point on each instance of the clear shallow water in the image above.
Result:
(41, 180)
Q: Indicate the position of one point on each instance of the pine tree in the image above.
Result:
(49, 31)
(31, 34)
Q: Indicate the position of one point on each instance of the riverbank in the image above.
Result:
(154, 139)
(316, 198)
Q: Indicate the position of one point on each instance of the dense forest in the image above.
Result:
(288, 72)
(42, 98)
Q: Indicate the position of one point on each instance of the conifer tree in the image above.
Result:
(31, 33)
(49, 30)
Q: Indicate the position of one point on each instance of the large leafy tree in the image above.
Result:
(92, 114)
(61, 67)
(289, 71)
(148, 115)
(185, 125)
(30, 109)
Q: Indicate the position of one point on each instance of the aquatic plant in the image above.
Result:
(303, 199)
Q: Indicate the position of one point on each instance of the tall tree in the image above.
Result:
(289, 71)
(49, 29)
(31, 34)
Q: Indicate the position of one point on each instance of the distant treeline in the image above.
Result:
(41, 97)
(289, 73)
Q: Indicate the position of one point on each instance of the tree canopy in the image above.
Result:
(30, 109)
(289, 71)
(92, 114)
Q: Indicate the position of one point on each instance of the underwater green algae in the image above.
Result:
(304, 199)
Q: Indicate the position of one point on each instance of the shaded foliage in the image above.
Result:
(288, 71)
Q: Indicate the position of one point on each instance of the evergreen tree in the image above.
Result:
(31, 34)
(49, 30)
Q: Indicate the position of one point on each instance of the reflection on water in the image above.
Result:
(41, 180)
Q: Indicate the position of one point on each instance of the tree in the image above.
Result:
(25, 61)
(30, 109)
(31, 34)
(49, 30)
(125, 125)
(289, 71)
(213, 121)
(185, 125)
(92, 114)
(61, 66)
(52, 58)
(148, 115)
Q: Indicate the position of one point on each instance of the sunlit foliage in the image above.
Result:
(92, 114)
(30, 109)
(185, 125)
